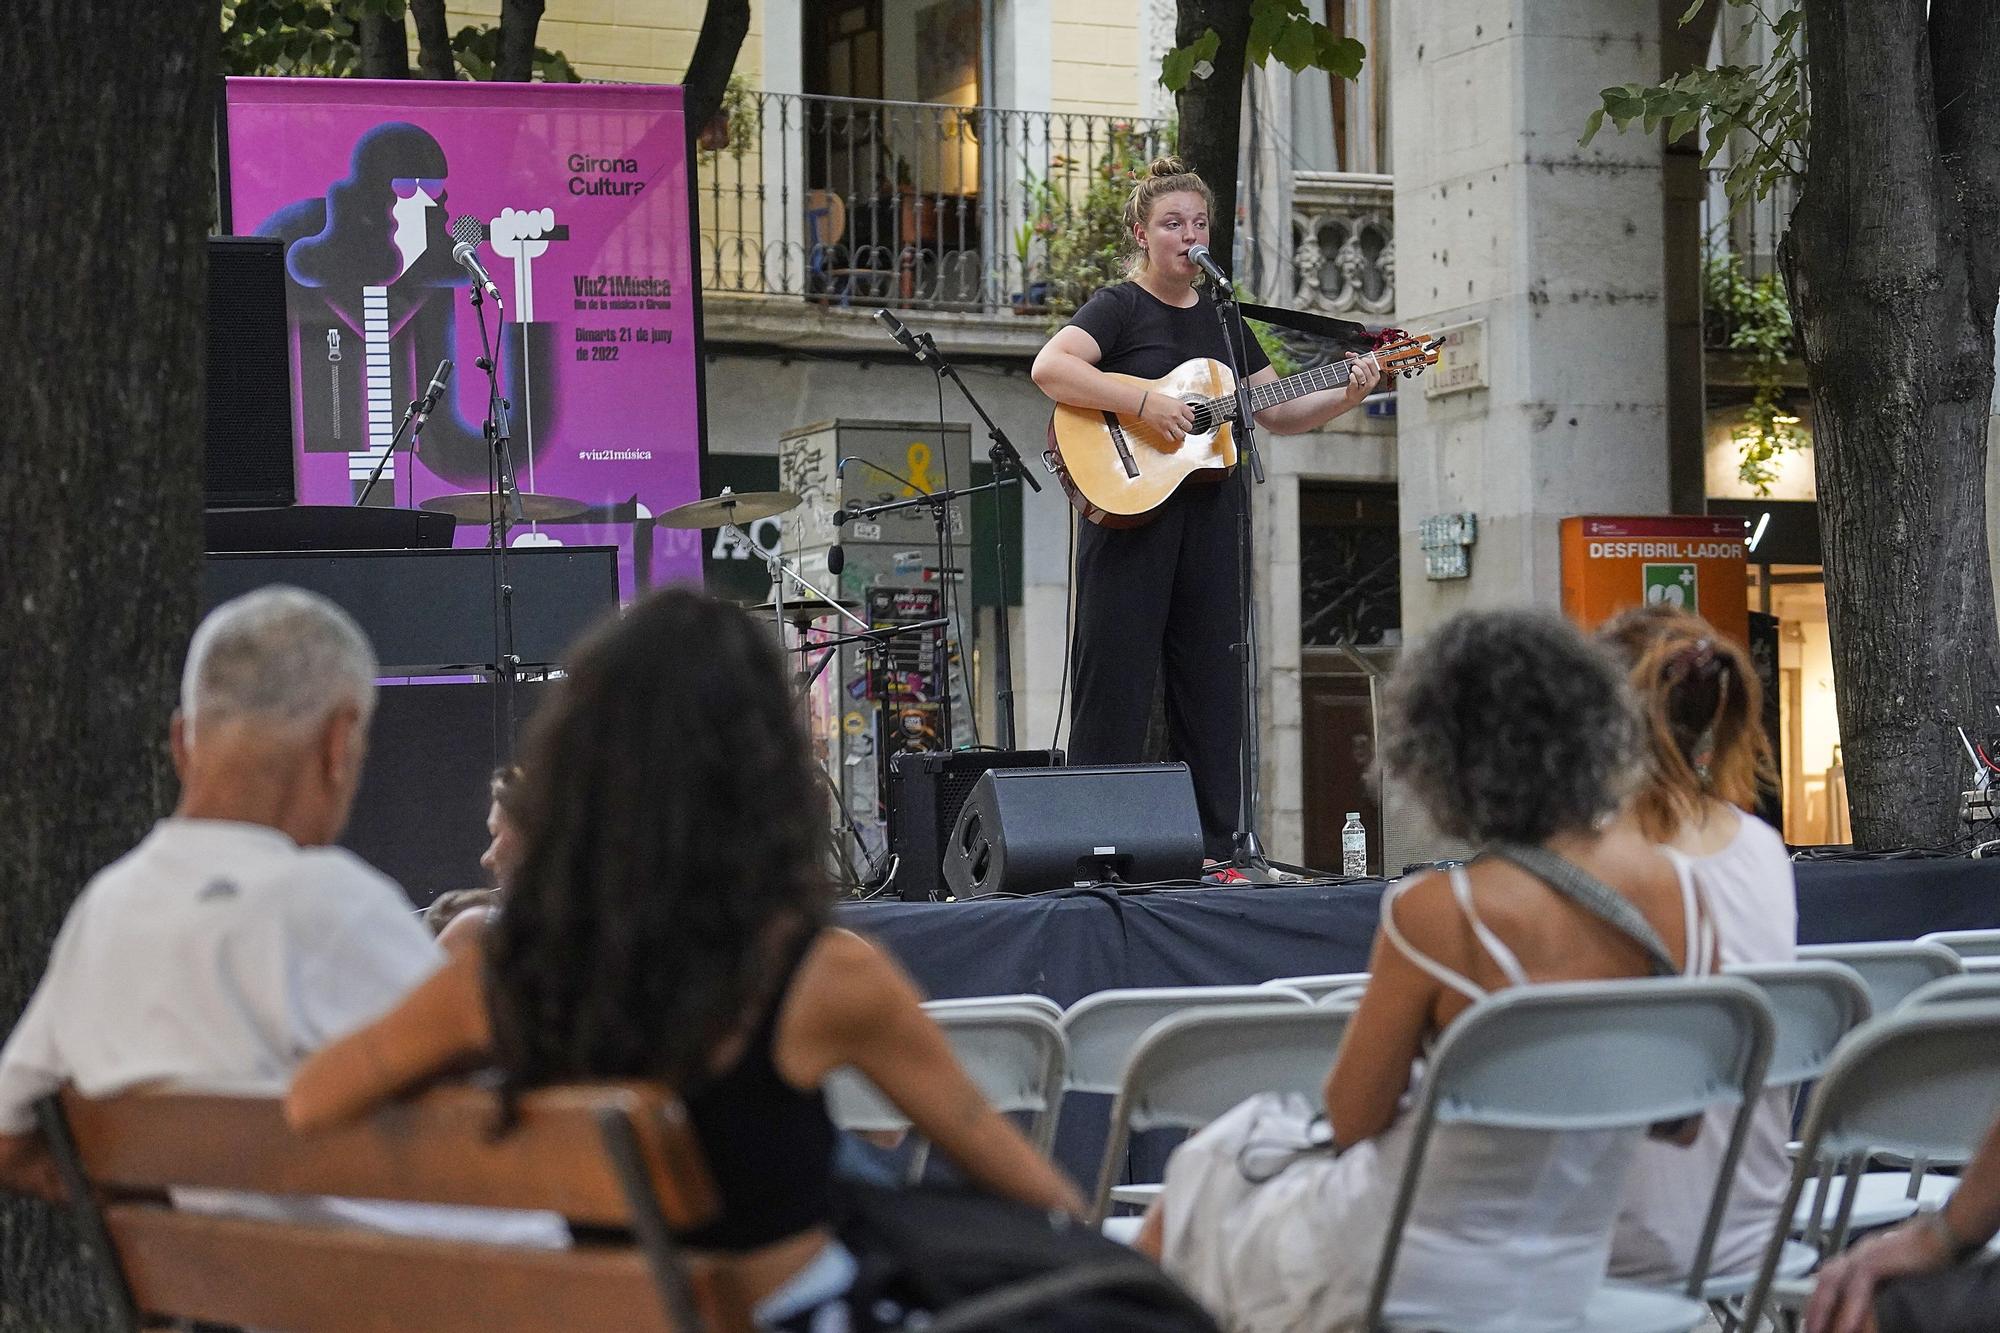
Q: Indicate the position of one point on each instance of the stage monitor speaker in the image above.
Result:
(249, 456)
(927, 789)
(1033, 830)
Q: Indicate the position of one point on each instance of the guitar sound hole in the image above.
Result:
(1204, 419)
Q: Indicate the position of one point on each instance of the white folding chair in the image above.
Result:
(1103, 1028)
(1345, 995)
(1190, 1068)
(1015, 1054)
(1316, 987)
(1814, 1005)
(1578, 1056)
(1967, 944)
(1890, 969)
(1981, 985)
(1024, 1001)
(1921, 1082)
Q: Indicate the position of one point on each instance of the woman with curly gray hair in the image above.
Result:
(1516, 735)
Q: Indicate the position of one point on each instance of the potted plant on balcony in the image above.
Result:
(1033, 297)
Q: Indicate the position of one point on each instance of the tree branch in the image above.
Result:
(519, 20)
(434, 59)
(724, 25)
(1965, 78)
(384, 45)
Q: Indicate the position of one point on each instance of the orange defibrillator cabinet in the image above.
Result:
(1610, 564)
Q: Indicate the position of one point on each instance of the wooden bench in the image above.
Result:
(620, 1163)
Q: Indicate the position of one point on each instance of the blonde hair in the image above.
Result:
(1166, 175)
(1701, 710)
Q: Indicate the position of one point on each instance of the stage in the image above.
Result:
(1067, 945)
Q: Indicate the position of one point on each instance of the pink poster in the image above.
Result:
(575, 199)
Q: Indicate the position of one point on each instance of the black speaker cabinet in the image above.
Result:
(1033, 830)
(926, 792)
(249, 375)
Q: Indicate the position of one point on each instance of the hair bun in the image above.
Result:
(1169, 165)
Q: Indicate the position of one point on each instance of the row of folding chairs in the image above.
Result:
(1182, 1056)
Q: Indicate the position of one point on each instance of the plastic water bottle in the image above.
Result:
(1353, 847)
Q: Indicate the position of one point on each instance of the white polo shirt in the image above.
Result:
(214, 955)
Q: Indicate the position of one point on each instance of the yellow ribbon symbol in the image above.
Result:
(917, 466)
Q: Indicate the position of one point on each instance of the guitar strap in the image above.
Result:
(1350, 336)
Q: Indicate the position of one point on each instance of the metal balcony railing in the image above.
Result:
(852, 202)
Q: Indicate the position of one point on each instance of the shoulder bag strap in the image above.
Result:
(1593, 895)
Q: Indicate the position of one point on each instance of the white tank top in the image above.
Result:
(1748, 890)
(1514, 1219)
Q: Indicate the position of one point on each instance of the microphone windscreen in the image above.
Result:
(836, 559)
(468, 230)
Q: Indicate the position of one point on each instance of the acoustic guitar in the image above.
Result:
(1117, 469)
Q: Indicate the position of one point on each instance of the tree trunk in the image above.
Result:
(1211, 112)
(434, 60)
(106, 178)
(385, 46)
(1890, 266)
(723, 26)
(519, 20)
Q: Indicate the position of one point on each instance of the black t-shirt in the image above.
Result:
(1141, 335)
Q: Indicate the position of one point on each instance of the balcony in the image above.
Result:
(1344, 245)
(844, 203)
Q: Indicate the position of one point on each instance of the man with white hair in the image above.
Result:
(234, 939)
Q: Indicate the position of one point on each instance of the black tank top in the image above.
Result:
(769, 1146)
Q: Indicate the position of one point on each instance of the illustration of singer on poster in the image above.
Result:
(573, 198)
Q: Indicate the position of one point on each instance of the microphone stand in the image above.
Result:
(1007, 464)
(503, 507)
(1247, 850)
(409, 415)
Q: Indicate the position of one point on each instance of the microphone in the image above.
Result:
(467, 258)
(902, 335)
(428, 403)
(1206, 263)
(836, 559)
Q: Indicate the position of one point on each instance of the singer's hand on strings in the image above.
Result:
(1168, 415)
(1362, 376)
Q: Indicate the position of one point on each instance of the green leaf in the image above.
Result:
(1296, 47)
(1268, 23)
(1178, 67)
(1339, 56)
(1591, 127)
(1692, 10)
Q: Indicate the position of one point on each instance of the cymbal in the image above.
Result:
(480, 506)
(808, 608)
(729, 507)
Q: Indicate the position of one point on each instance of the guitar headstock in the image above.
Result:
(1398, 353)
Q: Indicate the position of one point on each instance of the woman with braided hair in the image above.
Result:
(1705, 760)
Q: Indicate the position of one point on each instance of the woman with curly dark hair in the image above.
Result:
(1514, 733)
(669, 922)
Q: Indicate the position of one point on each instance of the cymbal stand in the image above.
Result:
(872, 641)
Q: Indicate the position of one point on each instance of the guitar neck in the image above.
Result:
(1333, 375)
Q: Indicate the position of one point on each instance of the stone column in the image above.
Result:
(1503, 221)
(1556, 253)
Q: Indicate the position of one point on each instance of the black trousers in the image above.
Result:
(1163, 598)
